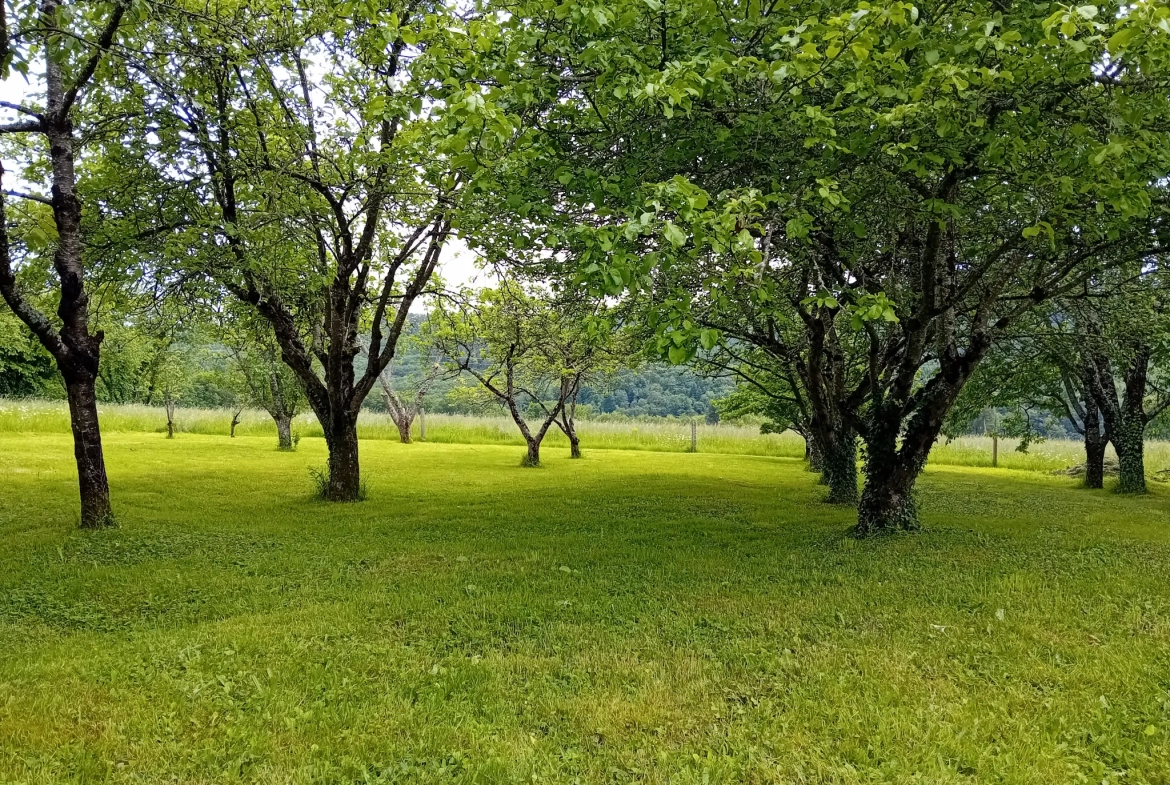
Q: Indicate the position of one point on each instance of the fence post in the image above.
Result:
(994, 450)
(422, 424)
(694, 437)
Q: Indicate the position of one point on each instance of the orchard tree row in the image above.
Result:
(879, 216)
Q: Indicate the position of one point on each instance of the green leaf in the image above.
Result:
(677, 237)
(1119, 40)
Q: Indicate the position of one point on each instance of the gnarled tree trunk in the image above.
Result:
(887, 501)
(87, 451)
(235, 422)
(345, 483)
(895, 456)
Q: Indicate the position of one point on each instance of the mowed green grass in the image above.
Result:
(629, 617)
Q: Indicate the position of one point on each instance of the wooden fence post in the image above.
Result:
(994, 450)
(694, 437)
(422, 424)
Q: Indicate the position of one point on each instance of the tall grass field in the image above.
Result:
(35, 416)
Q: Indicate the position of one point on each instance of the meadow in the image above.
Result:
(658, 435)
(629, 617)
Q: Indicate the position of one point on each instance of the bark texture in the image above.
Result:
(1095, 444)
(93, 485)
(812, 453)
(283, 432)
(344, 481)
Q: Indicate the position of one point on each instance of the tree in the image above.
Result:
(262, 378)
(769, 389)
(403, 394)
(1040, 367)
(1126, 366)
(172, 377)
(921, 177)
(318, 200)
(72, 46)
(798, 355)
(529, 351)
(26, 369)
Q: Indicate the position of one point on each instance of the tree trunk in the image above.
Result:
(839, 469)
(344, 471)
(235, 422)
(1129, 443)
(887, 501)
(87, 450)
(170, 408)
(1125, 419)
(1094, 462)
(1095, 444)
(399, 413)
(812, 453)
(283, 431)
(403, 422)
(532, 458)
(574, 443)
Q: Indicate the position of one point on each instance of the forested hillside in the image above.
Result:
(134, 375)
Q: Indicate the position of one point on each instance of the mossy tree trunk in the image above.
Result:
(1129, 442)
(1125, 415)
(839, 468)
(896, 448)
(887, 502)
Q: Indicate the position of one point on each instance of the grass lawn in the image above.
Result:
(630, 617)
